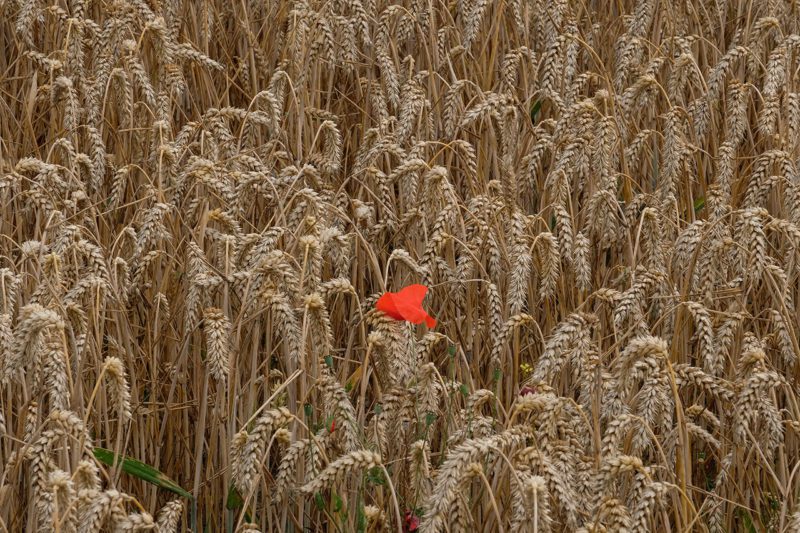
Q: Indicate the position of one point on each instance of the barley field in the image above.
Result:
(218, 219)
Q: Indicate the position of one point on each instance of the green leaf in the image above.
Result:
(773, 503)
(141, 470)
(497, 374)
(430, 418)
(329, 361)
(308, 409)
(337, 503)
(464, 390)
(319, 501)
(375, 476)
(361, 519)
(234, 500)
(535, 108)
(748, 521)
(699, 204)
(451, 350)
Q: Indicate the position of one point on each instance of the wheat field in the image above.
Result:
(203, 200)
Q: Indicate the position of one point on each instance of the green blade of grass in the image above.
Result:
(535, 109)
(699, 204)
(141, 470)
(235, 502)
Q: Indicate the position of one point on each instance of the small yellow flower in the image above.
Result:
(525, 369)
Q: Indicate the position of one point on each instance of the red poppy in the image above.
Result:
(527, 389)
(406, 304)
(411, 522)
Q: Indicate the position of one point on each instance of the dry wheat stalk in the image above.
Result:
(190, 196)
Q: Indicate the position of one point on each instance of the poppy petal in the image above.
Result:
(406, 304)
(387, 305)
(413, 294)
(410, 312)
(409, 304)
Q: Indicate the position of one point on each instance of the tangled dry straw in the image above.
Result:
(202, 201)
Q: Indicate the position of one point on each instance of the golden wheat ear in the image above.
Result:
(202, 202)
